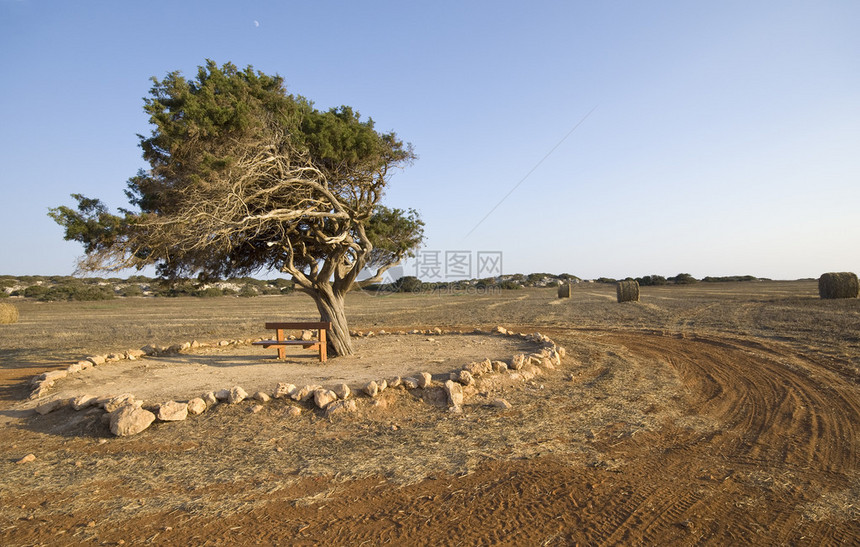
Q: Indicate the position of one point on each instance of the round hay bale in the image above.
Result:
(838, 285)
(565, 290)
(628, 291)
(8, 314)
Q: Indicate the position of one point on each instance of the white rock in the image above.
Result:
(97, 359)
(454, 392)
(480, 367)
(394, 382)
(51, 377)
(500, 330)
(256, 408)
(172, 411)
(500, 366)
(85, 365)
(74, 368)
(237, 395)
(262, 397)
(284, 390)
(118, 401)
(222, 394)
(517, 361)
(130, 420)
(293, 411)
(196, 406)
(50, 406)
(501, 403)
(304, 393)
(209, 398)
(371, 388)
(342, 391)
(340, 407)
(464, 377)
(27, 459)
(425, 380)
(84, 401)
(409, 383)
(324, 397)
(383, 385)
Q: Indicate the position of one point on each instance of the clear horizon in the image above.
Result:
(599, 140)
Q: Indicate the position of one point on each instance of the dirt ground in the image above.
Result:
(193, 372)
(714, 414)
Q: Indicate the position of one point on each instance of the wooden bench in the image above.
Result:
(281, 340)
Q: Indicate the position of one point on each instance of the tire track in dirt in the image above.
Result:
(778, 413)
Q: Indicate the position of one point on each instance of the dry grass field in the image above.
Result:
(710, 414)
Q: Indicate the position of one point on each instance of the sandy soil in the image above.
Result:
(709, 415)
(194, 372)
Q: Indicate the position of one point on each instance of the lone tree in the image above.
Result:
(244, 177)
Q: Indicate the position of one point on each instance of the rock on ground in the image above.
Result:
(342, 391)
(50, 406)
(84, 401)
(340, 407)
(454, 392)
(130, 420)
(118, 401)
(464, 377)
(425, 380)
(284, 390)
(172, 411)
(196, 406)
(324, 397)
(236, 395)
(371, 389)
(501, 403)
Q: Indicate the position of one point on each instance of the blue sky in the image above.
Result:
(723, 137)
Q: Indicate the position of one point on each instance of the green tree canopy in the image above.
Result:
(243, 177)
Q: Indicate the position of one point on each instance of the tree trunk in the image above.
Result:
(330, 305)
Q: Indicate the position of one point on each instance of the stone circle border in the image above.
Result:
(127, 415)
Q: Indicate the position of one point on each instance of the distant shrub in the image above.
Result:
(729, 278)
(131, 290)
(35, 291)
(77, 291)
(408, 283)
(248, 292)
(651, 280)
(838, 285)
(8, 314)
(208, 292)
(683, 279)
(510, 285)
(606, 280)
